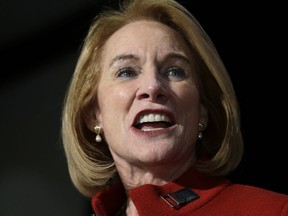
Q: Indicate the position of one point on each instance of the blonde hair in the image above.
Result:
(91, 166)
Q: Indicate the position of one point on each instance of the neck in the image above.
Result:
(131, 209)
(135, 175)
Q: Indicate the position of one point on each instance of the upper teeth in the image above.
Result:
(153, 118)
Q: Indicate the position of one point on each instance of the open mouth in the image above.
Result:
(153, 121)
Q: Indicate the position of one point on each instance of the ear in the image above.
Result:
(93, 118)
(203, 116)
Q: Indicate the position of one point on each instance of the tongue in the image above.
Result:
(150, 125)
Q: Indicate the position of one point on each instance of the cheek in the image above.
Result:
(112, 96)
(189, 96)
(112, 102)
(188, 105)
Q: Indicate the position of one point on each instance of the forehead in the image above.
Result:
(146, 27)
(139, 36)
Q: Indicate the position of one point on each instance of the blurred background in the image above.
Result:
(40, 42)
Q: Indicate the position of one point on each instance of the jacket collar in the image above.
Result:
(146, 197)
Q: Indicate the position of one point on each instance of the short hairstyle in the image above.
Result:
(90, 164)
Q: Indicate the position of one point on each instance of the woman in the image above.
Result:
(151, 121)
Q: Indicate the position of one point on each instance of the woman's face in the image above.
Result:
(148, 100)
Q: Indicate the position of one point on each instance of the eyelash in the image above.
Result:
(172, 73)
(180, 73)
(122, 73)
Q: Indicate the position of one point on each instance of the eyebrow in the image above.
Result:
(173, 55)
(123, 57)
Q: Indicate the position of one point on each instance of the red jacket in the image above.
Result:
(217, 197)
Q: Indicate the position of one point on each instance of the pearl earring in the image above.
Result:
(98, 130)
(201, 127)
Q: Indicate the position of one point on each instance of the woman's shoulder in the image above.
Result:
(256, 199)
(256, 192)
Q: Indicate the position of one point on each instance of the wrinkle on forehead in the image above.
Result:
(159, 41)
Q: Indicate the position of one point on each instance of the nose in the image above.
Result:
(152, 87)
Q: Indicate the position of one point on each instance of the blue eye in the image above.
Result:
(126, 73)
(175, 73)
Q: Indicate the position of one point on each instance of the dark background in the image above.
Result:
(39, 45)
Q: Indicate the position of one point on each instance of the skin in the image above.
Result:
(147, 68)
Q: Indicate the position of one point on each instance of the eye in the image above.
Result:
(126, 73)
(175, 73)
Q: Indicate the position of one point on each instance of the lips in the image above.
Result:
(150, 121)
